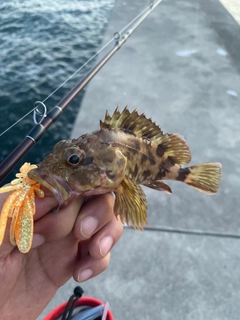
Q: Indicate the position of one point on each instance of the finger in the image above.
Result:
(94, 215)
(56, 225)
(89, 267)
(6, 246)
(103, 241)
(45, 204)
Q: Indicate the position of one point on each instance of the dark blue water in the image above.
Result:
(41, 44)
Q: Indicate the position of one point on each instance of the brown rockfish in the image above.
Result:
(127, 151)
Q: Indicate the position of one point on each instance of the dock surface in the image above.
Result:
(182, 68)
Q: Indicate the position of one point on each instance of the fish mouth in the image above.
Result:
(61, 190)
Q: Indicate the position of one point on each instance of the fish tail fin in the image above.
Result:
(203, 177)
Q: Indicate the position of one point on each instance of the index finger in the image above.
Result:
(45, 204)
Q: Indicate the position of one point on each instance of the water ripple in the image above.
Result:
(41, 45)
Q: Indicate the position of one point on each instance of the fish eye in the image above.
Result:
(73, 156)
(74, 159)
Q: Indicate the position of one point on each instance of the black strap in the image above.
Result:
(77, 293)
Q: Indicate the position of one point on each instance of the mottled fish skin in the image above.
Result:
(128, 150)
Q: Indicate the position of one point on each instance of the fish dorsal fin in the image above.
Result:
(172, 146)
(132, 123)
(131, 204)
(174, 149)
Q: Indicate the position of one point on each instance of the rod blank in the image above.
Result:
(36, 133)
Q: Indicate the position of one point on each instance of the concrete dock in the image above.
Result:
(182, 68)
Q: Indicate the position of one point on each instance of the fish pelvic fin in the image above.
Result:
(130, 204)
(203, 177)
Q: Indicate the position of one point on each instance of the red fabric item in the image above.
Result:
(83, 301)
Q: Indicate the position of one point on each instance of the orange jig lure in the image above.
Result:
(20, 207)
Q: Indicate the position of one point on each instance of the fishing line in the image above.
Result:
(36, 111)
(15, 123)
(49, 117)
(96, 54)
(189, 232)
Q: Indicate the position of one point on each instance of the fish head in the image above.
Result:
(78, 167)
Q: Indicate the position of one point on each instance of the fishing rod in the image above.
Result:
(48, 118)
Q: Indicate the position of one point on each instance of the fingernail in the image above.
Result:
(38, 239)
(88, 226)
(84, 275)
(105, 245)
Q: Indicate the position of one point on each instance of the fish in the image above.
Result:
(129, 150)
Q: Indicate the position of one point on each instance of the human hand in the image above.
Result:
(72, 242)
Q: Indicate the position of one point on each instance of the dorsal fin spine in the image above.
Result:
(169, 146)
(133, 123)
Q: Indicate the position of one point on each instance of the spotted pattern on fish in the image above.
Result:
(161, 149)
(128, 150)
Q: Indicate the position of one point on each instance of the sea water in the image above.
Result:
(41, 44)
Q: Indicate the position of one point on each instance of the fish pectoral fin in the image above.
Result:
(131, 204)
(158, 185)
